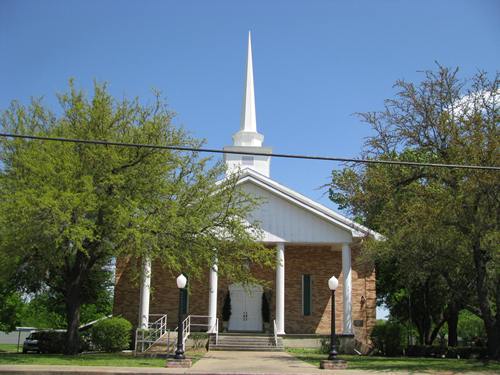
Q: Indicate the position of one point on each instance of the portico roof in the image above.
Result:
(298, 200)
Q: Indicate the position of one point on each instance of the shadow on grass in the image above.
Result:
(403, 363)
(104, 359)
(88, 359)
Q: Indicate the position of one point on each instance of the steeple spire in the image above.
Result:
(247, 135)
(247, 139)
(248, 118)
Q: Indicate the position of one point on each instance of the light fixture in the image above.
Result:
(181, 281)
(333, 283)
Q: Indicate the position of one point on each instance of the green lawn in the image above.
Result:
(313, 356)
(101, 359)
(10, 348)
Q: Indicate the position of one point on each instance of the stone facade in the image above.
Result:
(319, 261)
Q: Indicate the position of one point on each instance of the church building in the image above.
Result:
(312, 244)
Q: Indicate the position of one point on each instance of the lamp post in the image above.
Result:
(332, 363)
(179, 353)
(333, 283)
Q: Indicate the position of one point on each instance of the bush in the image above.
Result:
(111, 335)
(226, 308)
(199, 339)
(325, 344)
(434, 351)
(387, 338)
(266, 314)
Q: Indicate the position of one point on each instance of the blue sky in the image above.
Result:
(315, 62)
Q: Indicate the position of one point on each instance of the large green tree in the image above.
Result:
(442, 225)
(67, 209)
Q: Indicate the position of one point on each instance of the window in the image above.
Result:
(306, 295)
(247, 160)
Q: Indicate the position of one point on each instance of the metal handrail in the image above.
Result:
(186, 328)
(216, 331)
(275, 333)
(155, 331)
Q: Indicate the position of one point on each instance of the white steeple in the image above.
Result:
(247, 138)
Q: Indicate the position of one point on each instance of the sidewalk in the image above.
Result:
(214, 362)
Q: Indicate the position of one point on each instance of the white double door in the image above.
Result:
(246, 308)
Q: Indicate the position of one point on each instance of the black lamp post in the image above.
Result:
(179, 353)
(333, 283)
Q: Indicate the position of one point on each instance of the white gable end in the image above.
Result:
(283, 221)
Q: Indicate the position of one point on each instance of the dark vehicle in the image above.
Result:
(51, 341)
(31, 343)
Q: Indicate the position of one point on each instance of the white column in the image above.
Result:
(280, 288)
(212, 298)
(145, 291)
(347, 288)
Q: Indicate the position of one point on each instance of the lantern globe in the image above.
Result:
(181, 281)
(333, 283)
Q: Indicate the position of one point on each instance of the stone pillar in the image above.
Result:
(347, 288)
(145, 291)
(280, 288)
(212, 298)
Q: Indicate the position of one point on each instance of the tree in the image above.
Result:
(68, 209)
(448, 219)
(11, 309)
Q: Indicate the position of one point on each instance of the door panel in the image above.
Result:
(236, 321)
(246, 308)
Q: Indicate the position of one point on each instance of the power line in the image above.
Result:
(217, 151)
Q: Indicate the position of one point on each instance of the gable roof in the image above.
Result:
(357, 230)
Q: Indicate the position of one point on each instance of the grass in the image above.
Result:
(97, 359)
(313, 356)
(9, 348)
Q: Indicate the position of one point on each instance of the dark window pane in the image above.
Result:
(306, 294)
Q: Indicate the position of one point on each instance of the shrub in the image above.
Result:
(226, 308)
(434, 351)
(387, 338)
(266, 314)
(111, 335)
(199, 339)
(325, 344)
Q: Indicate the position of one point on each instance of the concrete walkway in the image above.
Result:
(222, 362)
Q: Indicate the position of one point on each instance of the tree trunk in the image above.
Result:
(435, 332)
(452, 321)
(73, 305)
(491, 325)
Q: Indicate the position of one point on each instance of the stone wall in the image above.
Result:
(321, 262)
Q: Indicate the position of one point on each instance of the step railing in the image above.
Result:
(193, 321)
(146, 338)
(215, 329)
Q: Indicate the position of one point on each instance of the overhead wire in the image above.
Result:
(253, 153)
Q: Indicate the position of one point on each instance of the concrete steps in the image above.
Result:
(258, 342)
